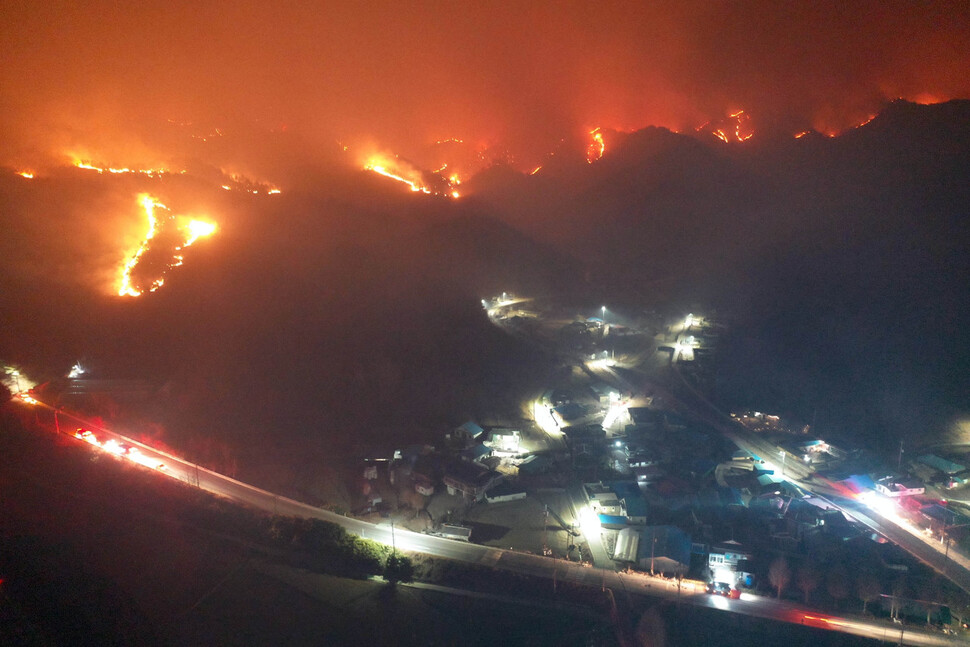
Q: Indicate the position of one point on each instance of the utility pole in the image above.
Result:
(653, 550)
(899, 462)
(393, 543)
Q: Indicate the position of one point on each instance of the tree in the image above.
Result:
(398, 568)
(867, 588)
(837, 583)
(806, 579)
(928, 593)
(899, 591)
(779, 574)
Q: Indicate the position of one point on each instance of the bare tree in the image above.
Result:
(779, 574)
(929, 592)
(867, 588)
(806, 579)
(899, 591)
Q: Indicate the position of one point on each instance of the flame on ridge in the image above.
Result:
(395, 169)
(596, 147)
(736, 127)
(150, 172)
(237, 182)
(26, 174)
(192, 231)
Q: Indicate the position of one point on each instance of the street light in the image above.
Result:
(604, 313)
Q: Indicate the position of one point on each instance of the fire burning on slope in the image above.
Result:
(186, 233)
(736, 127)
(150, 172)
(596, 147)
(400, 171)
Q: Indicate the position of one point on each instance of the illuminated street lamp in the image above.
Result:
(604, 313)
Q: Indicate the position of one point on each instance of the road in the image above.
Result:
(551, 569)
(891, 526)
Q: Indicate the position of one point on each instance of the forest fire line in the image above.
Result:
(596, 147)
(150, 172)
(412, 177)
(191, 231)
(237, 182)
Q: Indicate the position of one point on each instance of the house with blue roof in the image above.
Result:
(467, 433)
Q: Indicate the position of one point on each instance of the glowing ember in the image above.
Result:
(191, 231)
(596, 147)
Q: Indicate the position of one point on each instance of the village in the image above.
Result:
(607, 467)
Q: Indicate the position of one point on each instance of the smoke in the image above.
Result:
(113, 76)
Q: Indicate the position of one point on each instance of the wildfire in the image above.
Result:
(596, 147)
(237, 182)
(535, 170)
(736, 127)
(742, 124)
(26, 174)
(150, 172)
(407, 174)
(802, 134)
(380, 169)
(191, 231)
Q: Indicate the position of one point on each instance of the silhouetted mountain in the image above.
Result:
(350, 307)
(848, 253)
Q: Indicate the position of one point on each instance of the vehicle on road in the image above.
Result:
(723, 588)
